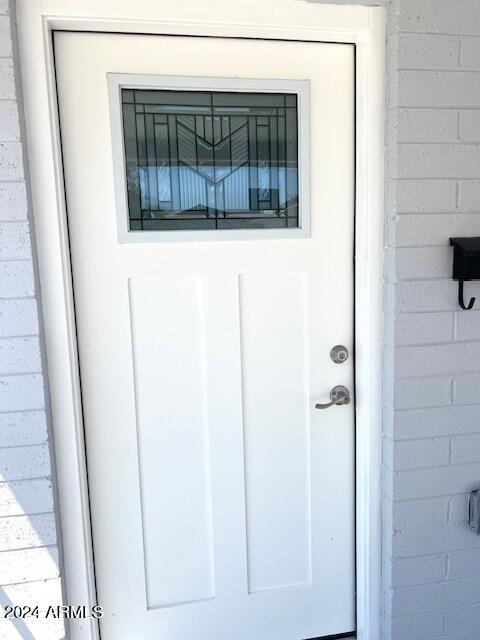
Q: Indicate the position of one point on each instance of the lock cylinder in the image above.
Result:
(339, 354)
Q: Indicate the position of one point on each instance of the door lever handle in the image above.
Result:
(338, 395)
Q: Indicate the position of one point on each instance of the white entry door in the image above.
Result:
(210, 197)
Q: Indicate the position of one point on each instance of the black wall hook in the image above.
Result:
(460, 298)
(466, 265)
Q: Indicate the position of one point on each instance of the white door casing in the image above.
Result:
(221, 500)
(361, 26)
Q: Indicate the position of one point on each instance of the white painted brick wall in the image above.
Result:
(29, 565)
(432, 438)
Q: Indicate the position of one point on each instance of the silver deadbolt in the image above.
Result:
(339, 353)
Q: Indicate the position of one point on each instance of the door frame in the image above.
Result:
(293, 20)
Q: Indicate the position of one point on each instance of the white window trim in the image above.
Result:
(301, 88)
(359, 25)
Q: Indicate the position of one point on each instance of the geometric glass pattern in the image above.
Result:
(210, 159)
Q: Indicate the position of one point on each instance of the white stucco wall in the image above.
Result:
(431, 560)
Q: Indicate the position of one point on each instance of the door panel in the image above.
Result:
(169, 360)
(222, 501)
(274, 341)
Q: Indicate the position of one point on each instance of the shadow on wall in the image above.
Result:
(18, 623)
(29, 563)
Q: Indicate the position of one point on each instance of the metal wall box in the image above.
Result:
(466, 264)
(474, 511)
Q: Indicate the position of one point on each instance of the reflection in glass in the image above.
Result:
(210, 160)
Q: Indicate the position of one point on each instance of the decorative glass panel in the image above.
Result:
(210, 160)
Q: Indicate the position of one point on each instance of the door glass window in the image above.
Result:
(210, 160)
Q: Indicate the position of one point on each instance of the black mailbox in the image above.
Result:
(466, 264)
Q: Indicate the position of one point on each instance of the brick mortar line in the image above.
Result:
(413, 586)
(4, 483)
(422, 278)
(33, 548)
(19, 337)
(19, 221)
(8, 260)
(29, 478)
(436, 33)
(421, 247)
(434, 178)
(12, 222)
(452, 389)
(28, 515)
(433, 107)
(18, 298)
(447, 566)
(435, 406)
(455, 213)
(456, 143)
(18, 411)
(445, 279)
(414, 345)
(466, 404)
(439, 553)
(437, 437)
(441, 375)
(431, 467)
(12, 336)
(19, 374)
(394, 441)
(44, 546)
(22, 446)
(410, 313)
(40, 581)
(438, 344)
(434, 581)
(456, 70)
(460, 143)
(464, 494)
